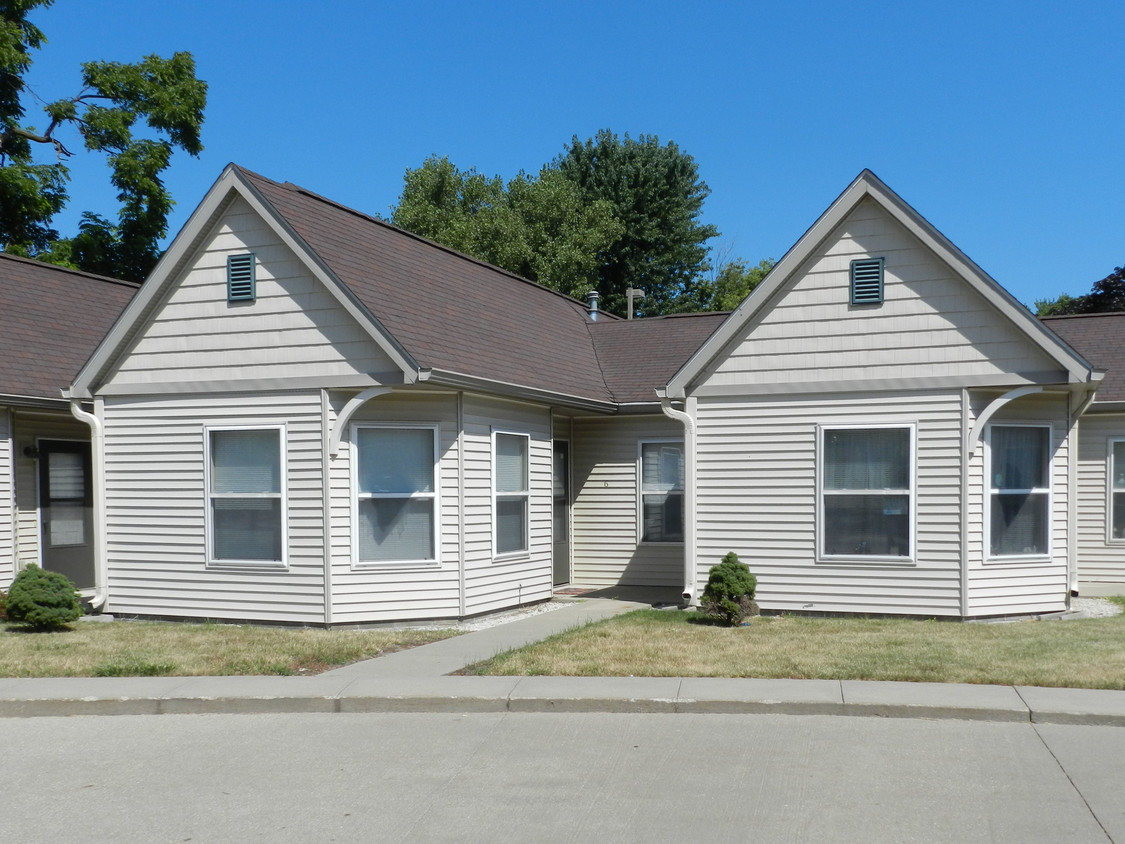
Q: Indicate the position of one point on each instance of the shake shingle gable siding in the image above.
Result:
(51, 320)
(449, 312)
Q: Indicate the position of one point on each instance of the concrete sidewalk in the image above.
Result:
(417, 680)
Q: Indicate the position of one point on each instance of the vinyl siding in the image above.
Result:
(996, 587)
(757, 496)
(294, 329)
(7, 501)
(930, 325)
(156, 500)
(1099, 559)
(30, 427)
(493, 583)
(389, 591)
(606, 551)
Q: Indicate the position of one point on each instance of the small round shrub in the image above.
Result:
(729, 595)
(44, 600)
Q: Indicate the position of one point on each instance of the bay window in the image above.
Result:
(396, 493)
(1019, 490)
(511, 482)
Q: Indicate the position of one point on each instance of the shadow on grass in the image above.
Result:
(11, 627)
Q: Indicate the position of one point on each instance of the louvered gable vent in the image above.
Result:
(240, 278)
(867, 281)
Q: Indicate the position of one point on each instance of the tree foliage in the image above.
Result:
(725, 289)
(537, 227)
(658, 196)
(1105, 296)
(163, 93)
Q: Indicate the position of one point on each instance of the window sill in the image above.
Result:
(272, 565)
(657, 544)
(514, 557)
(383, 565)
(855, 560)
(1020, 559)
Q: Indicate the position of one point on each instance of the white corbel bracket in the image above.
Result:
(990, 411)
(348, 412)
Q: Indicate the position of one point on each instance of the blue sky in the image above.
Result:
(1000, 122)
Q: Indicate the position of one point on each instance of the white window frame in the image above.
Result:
(911, 493)
(519, 553)
(1109, 490)
(990, 490)
(641, 491)
(209, 536)
(357, 495)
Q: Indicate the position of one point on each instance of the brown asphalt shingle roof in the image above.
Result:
(51, 320)
(1100, 338)
(447, 311)
(639, 355)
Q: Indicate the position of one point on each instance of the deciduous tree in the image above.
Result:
(162, 92)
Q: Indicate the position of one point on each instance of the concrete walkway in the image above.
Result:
(417, 680)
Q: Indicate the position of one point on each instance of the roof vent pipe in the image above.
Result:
(592, 296)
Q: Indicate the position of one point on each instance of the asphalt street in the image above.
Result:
(559, 777)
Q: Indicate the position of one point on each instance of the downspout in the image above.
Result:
(326, 501)
(1072, 493)
(966, 461)
(688, 422)
(101, 544)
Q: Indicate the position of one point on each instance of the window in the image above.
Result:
(510, 493)
(246, 498)
(867, 492)
(867, 281)
(1117, 489)
(1019, 490)
(240, 278)
(662, 491)
(396, 494)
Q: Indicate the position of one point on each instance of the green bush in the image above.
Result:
(729, 595)
(3, 601)
(44, 600)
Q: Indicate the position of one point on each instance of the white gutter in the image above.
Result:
(1072, 491)
(688, 422)
(101, 545)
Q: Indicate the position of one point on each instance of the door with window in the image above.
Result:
(561, 511)
(66, 510)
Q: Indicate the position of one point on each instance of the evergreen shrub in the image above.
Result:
(729, 595)
(44, 600)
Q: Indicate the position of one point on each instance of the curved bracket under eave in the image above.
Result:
(990, 411)
(348, 412)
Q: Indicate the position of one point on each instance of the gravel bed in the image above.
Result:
(1094, 607)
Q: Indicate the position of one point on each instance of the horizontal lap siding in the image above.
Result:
(295, 328)
(1002, 588)
(756, 496)
(390, 592)
(1098, 558)
(930, 324)
(492, 584)
(155, 501)
(605, 548)
(7, 502)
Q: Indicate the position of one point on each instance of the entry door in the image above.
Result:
(66, 509)
(561, 480)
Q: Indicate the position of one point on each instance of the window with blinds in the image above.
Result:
(1019, 490)
(662, 491)
(246, 495)
(396, 515)
(867, 493)
(511, 481)
(1116, 473)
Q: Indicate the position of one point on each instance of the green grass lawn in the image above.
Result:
(139, 649)
(1084, 653)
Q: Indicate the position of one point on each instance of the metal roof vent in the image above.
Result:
(592, 297)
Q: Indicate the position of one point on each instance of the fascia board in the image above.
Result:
(339, 290)
(868, 184)
(122, 329)
(776, 278)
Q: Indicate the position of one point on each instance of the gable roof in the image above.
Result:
(868, 185)
(443, 317)
(1100, 338)
(51, 320)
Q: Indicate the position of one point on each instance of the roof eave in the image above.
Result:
(473, 383)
